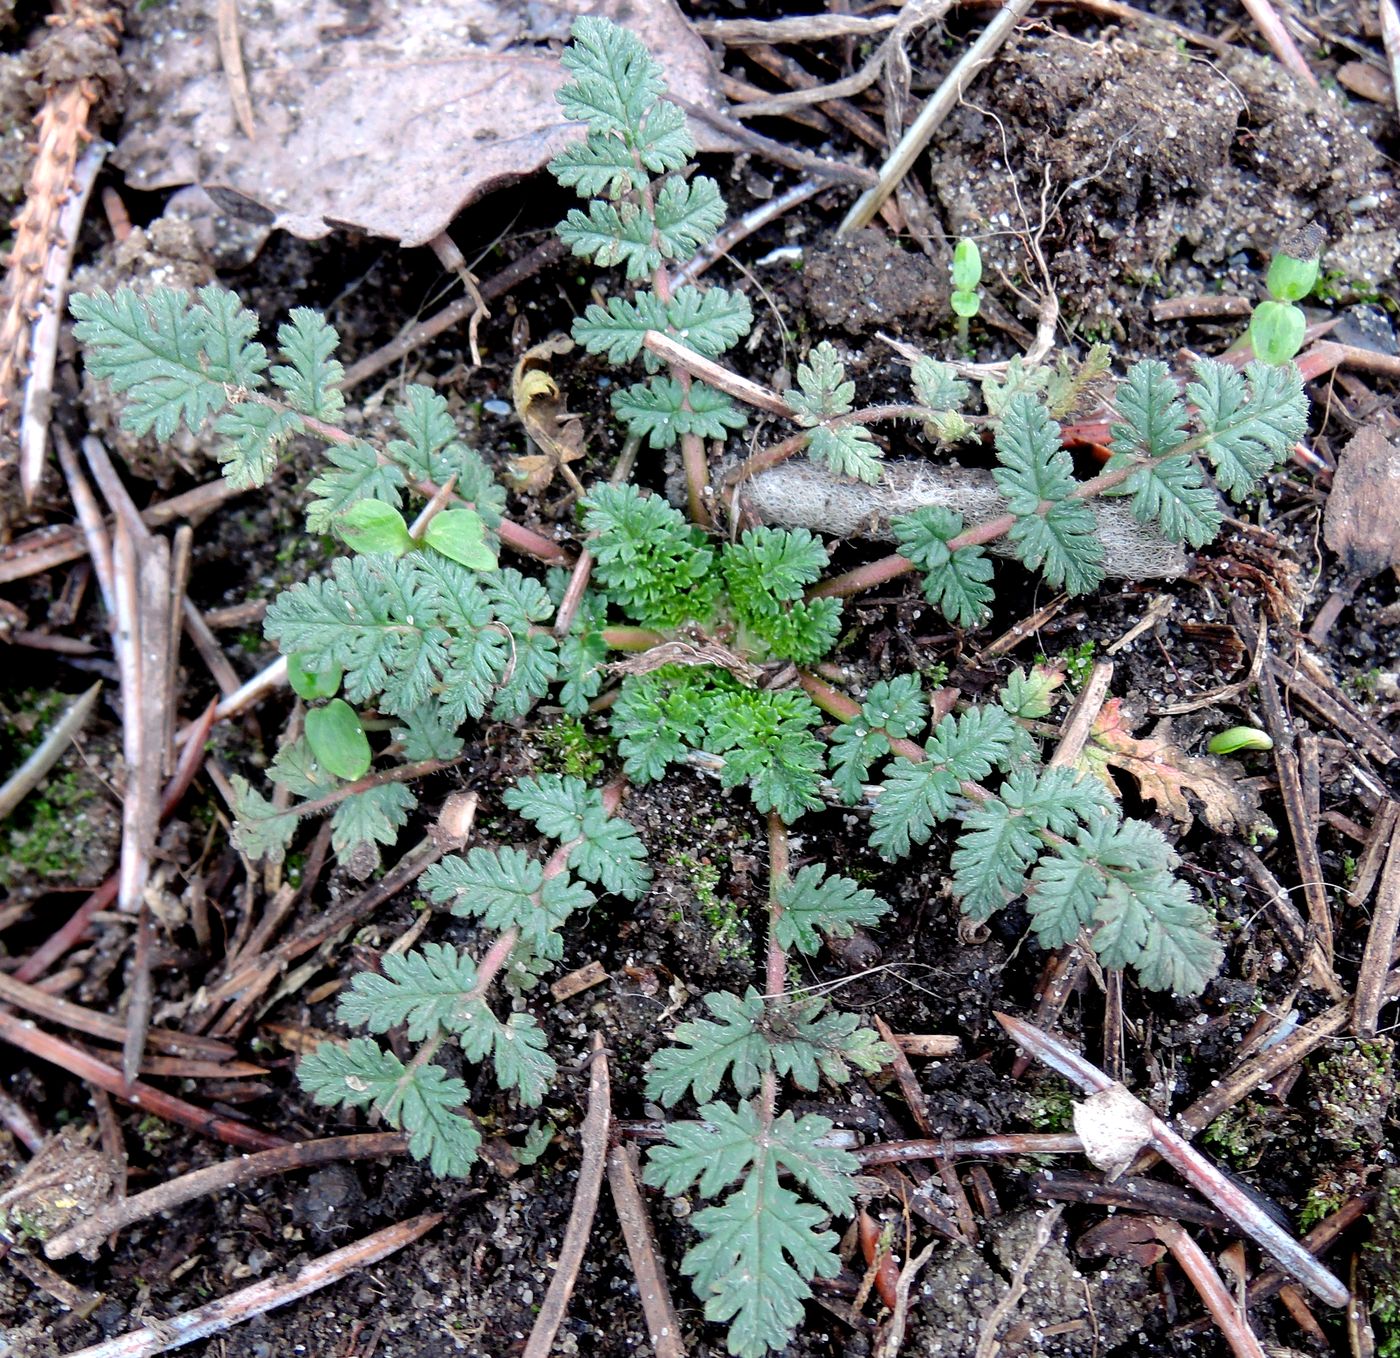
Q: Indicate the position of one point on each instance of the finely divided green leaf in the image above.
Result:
(955, 582)
(311, 375)
(836, 905)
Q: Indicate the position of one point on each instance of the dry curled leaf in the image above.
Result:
(386, 118)
(1362, 520)
(1165, 773)
(539, 404)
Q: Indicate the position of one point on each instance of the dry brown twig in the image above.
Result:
(84, 1236)
(663, 1328)
(594, 1137)
(77, 63)
(1203, 1176)
(261, 1297)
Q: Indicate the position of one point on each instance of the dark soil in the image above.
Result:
(1142, 172)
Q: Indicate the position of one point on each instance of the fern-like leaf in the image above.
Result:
(916, 796)
(1248, 428)
(836, 905)
(423, 989)
(310, 377)
(421, 1100)
(955, 582)
(1053, 532)
(767, 738)
(760, 1249)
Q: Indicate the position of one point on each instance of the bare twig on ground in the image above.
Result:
(235, 76)
(1232, 1322)
(217, 1316)
(988, 1345)
(750, 32)
(45, 548)
(47, 321)
(1380, 944)
(1292, 928)
(1128, 1193)
(45, 1047)
(419, 333)
(1203, 1176)
(1390, 36)
(20, 1123)
(1280, 40)
(931, 116)
(753, 220)
(1009, 1143)
(663, 1328)
(49, 751)
(48, 952)
(892, 1334)
(86, 1235)
(594, 1139)
(54, 1009)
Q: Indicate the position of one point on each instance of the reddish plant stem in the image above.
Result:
(405, 773)
(514, 535)
(892, 567)
(631, 638)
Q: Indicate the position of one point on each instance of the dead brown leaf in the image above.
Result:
(1363, 509)
(1165, 773)
(539, 404)
(391, 126)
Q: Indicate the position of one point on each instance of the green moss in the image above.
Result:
(722, 916)
(568, 748)
(1051, 1107)
(44, 838)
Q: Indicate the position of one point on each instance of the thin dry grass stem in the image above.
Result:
(933, 113)
(752, 32)
(221, 1315)
(84, 1236)
(1280, 41)
(37, 405)
(84, 1066)
(797, 77)
(952, 1148)
(594, 1139)
(46, 548)
(1380, 944)
(716, 375)
(1113, 1063)
(1390, 36)
(452, 259)
(663, 1328)
(1373, 855)
(75, 1299)
(207, 644)
(255, 973)
(1302, 827)
(1079, 721)
(779, 153)
(988, 1345)
(95, 537)
(235, 76)
(1059, 979)
(918, 1108)
(1233, 1324)
(1292, 928)
(48, 752)
(20, 1123)
(1242, 1209)
(753, 220)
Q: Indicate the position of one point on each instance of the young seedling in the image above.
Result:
(966, 299)
(1277, 326)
